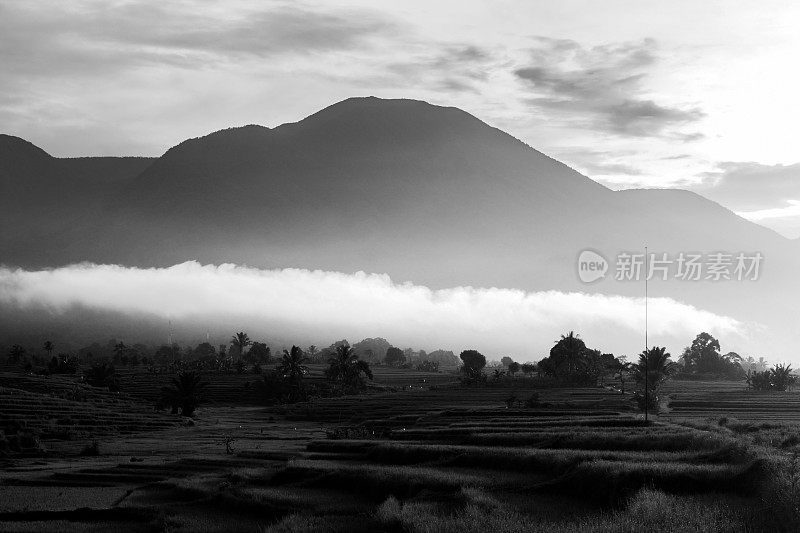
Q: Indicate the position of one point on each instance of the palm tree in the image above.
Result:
(48, 347)
(185, 392)
(571, 350)
(346, 368)
(241, 341)
(656, 365)
(292, 369)
(102, 375)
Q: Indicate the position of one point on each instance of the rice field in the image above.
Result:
(438, 457)
(713, 400)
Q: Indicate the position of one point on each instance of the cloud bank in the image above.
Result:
(319, 307)
(766, 194)
(602, 84)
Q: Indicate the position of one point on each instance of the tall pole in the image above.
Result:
(646, 362)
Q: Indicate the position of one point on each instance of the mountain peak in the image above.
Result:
(390, 110)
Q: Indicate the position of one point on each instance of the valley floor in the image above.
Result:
(444, 458)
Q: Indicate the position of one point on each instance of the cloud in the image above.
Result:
(95, 37)
(452, 68)
(767, 194)
(749, 186)
(601, 88)
(322, 306)
(792, 210)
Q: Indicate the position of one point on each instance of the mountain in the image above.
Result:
(425, 193)
(42, 197)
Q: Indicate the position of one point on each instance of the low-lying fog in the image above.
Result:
(88, 302)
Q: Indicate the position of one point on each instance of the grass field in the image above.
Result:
(432, 456)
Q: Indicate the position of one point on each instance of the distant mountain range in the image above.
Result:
(425, 193)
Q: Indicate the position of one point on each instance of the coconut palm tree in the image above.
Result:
(240, 341)
(346, 368)
(292, 370)
(656, 365)
(185, 392)
(659, 367)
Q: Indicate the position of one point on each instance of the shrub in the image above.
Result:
(778, 378)
(428, 366)
(102, 375)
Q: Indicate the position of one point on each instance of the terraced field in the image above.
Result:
(445, 458)
(714, 400)
(56, 418)
(426, 462)
(60, 410)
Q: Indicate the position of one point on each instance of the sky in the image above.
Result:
(698, 95)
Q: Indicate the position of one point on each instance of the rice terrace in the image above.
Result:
(289, 444)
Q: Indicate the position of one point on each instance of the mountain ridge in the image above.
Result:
(424, 193)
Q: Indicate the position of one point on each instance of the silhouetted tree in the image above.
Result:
(782, 377)
(102, 375)
(703, 357)
(185, 392)
(513, 367)
(528, 368)
(777, 378)
(292, 369)
(568, 354)
(312, 351)
(240, 341)
(474, 362)
(205, 350)
(394, 356)
(658, 366)
(259, 353)
(347, 369)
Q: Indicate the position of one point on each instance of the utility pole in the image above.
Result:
(646, 362)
